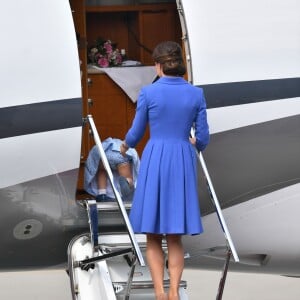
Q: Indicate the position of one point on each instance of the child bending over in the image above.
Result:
(124, 169)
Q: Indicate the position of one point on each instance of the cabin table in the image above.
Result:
(130, 79)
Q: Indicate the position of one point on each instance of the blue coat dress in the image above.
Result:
(166, 196)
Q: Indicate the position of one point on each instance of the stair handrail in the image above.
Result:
(117, 194)
(217, 204)
(218, 209)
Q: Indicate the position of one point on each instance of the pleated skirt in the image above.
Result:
(166, 197)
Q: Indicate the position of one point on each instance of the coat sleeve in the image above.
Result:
(138, 127)
(201, 125)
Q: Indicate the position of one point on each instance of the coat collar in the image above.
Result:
(171, 80)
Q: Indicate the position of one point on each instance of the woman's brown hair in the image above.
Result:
(169, 55)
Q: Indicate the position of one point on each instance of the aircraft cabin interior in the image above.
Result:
(133, 27)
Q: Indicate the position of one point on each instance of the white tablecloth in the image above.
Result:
(130, 79)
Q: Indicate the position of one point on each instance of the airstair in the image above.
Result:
(110, 265)
(110, 270)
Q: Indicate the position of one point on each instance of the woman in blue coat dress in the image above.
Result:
(166, 200)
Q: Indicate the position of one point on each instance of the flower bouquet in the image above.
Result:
(105, 54)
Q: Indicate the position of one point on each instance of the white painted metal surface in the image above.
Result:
(256, 225)
(39, 63)
(33, 156)
(40, 40)
(94, 284)
(243, 40)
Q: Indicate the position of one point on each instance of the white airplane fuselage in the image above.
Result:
(246, 57)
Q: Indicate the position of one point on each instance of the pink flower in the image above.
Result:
(108, 47)
(103, 62)
(105, 55)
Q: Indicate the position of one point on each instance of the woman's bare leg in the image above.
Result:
(175, 263)
(155, 259)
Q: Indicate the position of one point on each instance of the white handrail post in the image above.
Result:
(217, 204)
(218, 209)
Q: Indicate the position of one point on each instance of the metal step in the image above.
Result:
(109, 216)
(141, 285)
(108, 206)
(117, 241)
(112, 206)
(145, 290)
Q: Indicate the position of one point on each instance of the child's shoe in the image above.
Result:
(101, 198)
